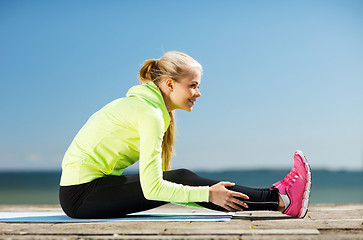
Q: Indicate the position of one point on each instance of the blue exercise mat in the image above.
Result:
(45, 217)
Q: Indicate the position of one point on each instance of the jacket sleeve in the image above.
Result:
(154, 187)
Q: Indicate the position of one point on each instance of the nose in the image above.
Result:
(198, 94)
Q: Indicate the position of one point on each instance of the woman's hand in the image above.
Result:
(221, 196)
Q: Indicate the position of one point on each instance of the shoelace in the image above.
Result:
(291, 177)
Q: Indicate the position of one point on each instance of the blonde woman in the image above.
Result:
(140, 127)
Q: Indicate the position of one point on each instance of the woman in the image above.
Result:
(141, 127)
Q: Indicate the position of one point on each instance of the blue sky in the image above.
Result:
(278, 76)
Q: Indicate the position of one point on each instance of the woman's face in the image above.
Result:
(185, 92)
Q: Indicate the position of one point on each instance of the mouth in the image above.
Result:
(192, 101)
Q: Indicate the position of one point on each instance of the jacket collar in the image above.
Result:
(152, 94)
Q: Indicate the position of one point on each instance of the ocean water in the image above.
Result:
(327, 186)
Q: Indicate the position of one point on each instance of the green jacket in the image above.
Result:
(122, 132)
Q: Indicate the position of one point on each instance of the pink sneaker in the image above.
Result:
(295, 187)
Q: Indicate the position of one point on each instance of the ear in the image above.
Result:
(169, 84)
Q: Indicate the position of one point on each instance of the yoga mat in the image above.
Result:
(59, 217)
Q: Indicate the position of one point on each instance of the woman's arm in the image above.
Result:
(151, 130)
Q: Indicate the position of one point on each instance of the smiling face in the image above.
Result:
(185, 92)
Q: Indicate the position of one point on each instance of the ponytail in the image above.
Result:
(149, 71)
(168, 146)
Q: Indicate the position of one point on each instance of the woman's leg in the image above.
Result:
(115, 196)
(259, 199)
(106, 197)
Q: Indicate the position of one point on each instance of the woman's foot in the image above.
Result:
(294, 189)
(281, 207)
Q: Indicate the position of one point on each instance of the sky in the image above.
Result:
(278, 76)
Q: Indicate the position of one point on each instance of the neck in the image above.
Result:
(167, 102)
(166, 96)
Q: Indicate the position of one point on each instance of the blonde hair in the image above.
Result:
(174, 65)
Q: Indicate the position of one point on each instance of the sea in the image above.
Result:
(327, 186)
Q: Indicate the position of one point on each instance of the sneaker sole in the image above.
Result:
(305, 203)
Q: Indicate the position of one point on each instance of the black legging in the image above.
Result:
(115, 196)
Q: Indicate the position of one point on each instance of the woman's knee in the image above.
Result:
(181, 176)
(184, 172)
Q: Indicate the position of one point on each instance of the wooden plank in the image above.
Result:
(333, 220)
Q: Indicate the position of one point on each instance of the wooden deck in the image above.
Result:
(322, 222)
